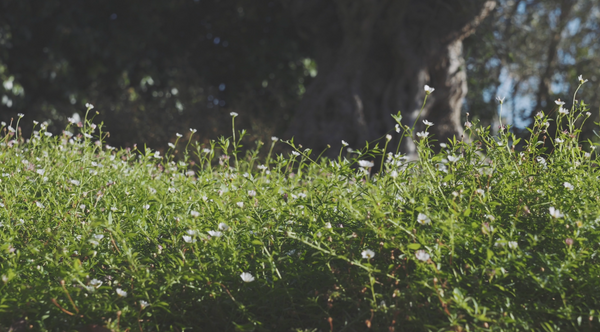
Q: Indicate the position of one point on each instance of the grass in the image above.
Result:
(478, 237)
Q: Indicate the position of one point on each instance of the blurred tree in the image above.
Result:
(374, 58)
(532, 52)
(153, 67)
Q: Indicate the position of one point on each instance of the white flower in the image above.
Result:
(144, 304)
(223, 226)
(40, 205)
(344, 143)
(555, 213)
(240, 204)
(95, 283)
(179, 135)
(427, 123)
(588, 113)
(468, 124)
(581, 80)
(295, 153)
(171, 145)
(480, 191)
(388, 137)
(74, 182)
(247, 277)
(146, 206)
(559, 102)
(423, 219)
(195, 214)
(365, 163)
(251, 193)
(191, 232)
(233, 114)
(274, 138)
(453, 159)
(394, 174)
(500, 100)
(540, 114)
(188, 239)
(328, 225)
(367, 254)
(541, 160)
(215, 233)
(98, 237)
(568, 186)
(89, 106)
(20, 115)
(121, 292)
(558, 140)
(513, 244)
(428, 89)
(423, 134)
(587, 154)
(193, 130)
(422, 255)
(397, 128)
(563, 110)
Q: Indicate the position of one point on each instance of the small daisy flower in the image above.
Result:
(89, 106)
(581, 80)
(188, 239)
(388, 137)
(563, 111)
(453, 159)
(480, 191)
(428, 89)
(233, 114)
(513, 244)
(240, 204)
(193, 130)
(95, 283)
(144, 304)
(223, 226)
(215, 233)
(274, 138)
(344, 143)
(365, 163)
(559, 102)
(568, 186)
(251, 193)
(195, 214)
(558, 140)
(247, 277)
(427, 123)
(422, 255)
(500, 100)
(367, 254)
(295, 153)
(75, 182)
(422, 134)
(423, 219)
(555, 213)
(328, 225)
(121, 292)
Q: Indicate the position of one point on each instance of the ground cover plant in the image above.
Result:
(480, 236)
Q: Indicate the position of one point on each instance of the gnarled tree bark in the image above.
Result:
(374, 58)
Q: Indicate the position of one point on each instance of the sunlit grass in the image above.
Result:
(480, 236)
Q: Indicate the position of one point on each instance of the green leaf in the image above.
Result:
(414, 246)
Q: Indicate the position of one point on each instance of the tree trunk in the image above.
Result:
(374, 58)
